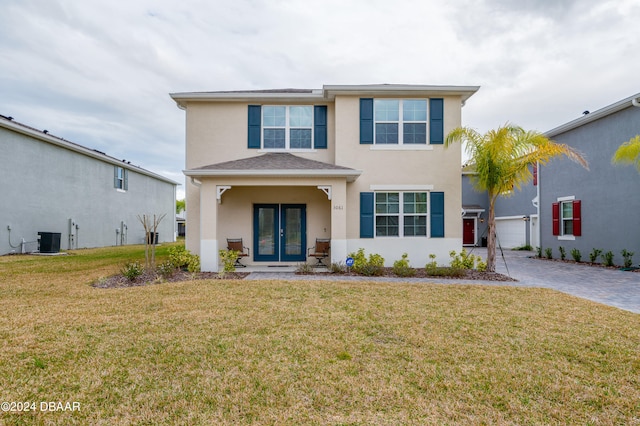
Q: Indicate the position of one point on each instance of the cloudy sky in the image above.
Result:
(99, 72)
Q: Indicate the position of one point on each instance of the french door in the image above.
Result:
(279, 232)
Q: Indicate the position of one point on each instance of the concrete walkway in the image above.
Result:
(607, 286)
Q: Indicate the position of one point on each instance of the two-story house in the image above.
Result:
(597, 208)
(76, 196)
(362, 165)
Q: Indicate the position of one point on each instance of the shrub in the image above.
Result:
(304, 269)
(548, 252)
(401, 267)
(181, 258)
(374, 265)
(481, 266)
(166, 269)
(194, 263)
(563, 253)
(431, 265)
(228, 258)
(446, 271)
(132, 270)
(608, 258)
(539, 251)
(463, 260)
(595, 253)
(337, 268)
(575, 253)
(628, 258)
(526, 247)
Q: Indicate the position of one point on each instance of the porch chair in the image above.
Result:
(235, 244)
(320, 251)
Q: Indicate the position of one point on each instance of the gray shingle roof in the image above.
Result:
(273, 161)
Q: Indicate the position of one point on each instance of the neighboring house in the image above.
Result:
(516, 214)
(475, 207)
(181, 223)
(596, 208)
(362, 165)
(75, 195)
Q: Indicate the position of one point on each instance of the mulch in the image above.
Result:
(421, 273)
(150, 278)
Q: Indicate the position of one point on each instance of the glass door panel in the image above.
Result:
(293, 233)
(266, 237)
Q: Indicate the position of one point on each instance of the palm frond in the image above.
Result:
(628, 153)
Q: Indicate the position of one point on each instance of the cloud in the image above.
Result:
(99, 73)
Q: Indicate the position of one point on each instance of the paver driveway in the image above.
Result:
(608, 286)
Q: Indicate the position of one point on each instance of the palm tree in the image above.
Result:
(628, 153)
(501, 159)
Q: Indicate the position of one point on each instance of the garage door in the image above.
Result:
(511, 232)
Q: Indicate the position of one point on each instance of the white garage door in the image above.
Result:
(511, 231)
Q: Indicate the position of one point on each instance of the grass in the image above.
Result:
(278, 352)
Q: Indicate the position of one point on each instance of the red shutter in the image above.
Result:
(577, 219)
(555, 210)
(535, 174)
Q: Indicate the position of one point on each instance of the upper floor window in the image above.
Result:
(400, 121)
(403, 123)
(120, 178)
(281, 127)
(287, 127)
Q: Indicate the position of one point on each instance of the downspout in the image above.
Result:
(635, 102)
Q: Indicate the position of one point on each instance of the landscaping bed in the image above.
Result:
(148, 278)
(464, 274)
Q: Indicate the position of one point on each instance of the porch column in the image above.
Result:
(208, 227)
(339, 222)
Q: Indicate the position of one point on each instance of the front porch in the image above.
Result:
(278, 221)
(277, 203)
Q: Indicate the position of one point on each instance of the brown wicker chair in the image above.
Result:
(235, 244)
(320, 251)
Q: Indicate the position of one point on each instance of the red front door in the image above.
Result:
(468, 232)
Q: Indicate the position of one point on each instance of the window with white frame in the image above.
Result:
(400, 121)
(401, 214)
(566, 217)
(287, 127)
(120, 178)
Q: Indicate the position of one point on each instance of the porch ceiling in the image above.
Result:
(275, 164)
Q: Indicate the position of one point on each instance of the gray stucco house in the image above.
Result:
(599, 208)
(516, 215)
(59, 189)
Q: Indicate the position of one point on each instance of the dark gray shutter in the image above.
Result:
(255, 117)
(320, 127)
(437, 214)
(366, 121)
(436, 121)
(366, 214)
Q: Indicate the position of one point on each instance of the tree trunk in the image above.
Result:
(491, 236)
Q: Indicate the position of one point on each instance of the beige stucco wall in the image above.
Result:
(217, 132)
(426, 165)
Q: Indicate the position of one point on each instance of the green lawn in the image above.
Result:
(278, 352)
